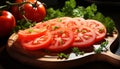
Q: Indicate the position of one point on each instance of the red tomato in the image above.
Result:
(99, 29)
(84, 37)
(37, 43)
(31, 33)
(62, 40)
(7, 23)
(34, 12)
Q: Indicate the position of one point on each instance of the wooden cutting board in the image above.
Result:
(44, 60)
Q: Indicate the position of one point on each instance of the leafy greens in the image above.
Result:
(72, 10)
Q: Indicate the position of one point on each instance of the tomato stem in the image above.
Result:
(14, 4)
(8, 4)
(35, 4)
(26, 19)
(1, 7)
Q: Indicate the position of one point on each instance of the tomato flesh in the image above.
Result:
(60, 34)
(62, 40)
(37, 43)
(30, 33)
(51, 26)
(99, 29)
(84, 37)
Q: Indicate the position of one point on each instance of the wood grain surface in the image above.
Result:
(42, 60)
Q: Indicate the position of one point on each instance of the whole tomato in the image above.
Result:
(7, 23)
(34, 11)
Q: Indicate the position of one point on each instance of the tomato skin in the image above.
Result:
(34, 13)
(7, 23)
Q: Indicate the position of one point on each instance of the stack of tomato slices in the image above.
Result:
(60, 34)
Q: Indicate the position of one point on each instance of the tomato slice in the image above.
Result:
(80, 21)
(71, 22)
(99, 29)
(84, 37)
(37, 43)
(62, 40)
(31, 33)
(50, 25)
(59, 34)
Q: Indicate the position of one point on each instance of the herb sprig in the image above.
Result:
(63, 55)
(100, 49)
(77, 51)
(23, 24)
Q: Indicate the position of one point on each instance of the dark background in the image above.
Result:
(109, 8)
